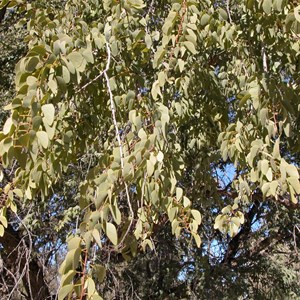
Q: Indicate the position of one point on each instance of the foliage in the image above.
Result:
(125, 116)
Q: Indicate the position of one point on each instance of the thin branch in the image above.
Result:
(90, 82)
(26, 266)
(113, 112)
(228, 10)
(264, 58)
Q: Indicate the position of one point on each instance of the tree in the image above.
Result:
(135, 122)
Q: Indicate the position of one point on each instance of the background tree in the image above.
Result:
(135, 122)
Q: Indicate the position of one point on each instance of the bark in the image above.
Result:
(14, 262)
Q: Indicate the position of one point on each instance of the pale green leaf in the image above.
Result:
(43, 139)
(196, 215)
(48, 111)
(111, 233)
(65, 291)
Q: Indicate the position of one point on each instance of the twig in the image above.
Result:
(90, 82)
(228, 10)
(113, 112)
(83, 275)
(26, 267)
(264, 58)
(143, 190)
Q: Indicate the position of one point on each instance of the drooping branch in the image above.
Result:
(113, 112)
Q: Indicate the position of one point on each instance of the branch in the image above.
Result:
(234, 244)
(228, 10)
(113, 112)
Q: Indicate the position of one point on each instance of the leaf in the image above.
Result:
(18, 193)
(179, 193)
(43, 139)
(273, 187)
(76, 59)
(226, 209)
(7, 126)
(276, 150)
(111, 233)
(297, 13)
(264, 166)
(269, 174)
(196, 215)
(294, 182)
(244, 99)
(36, 123)
(205, 19)
(39, 49)
(1, 230)
(74, 243)
(3, 220)
(116, 213)
(53, 85)
(90, 286)
(265, 188)
(96, 297)
(66, 74)
(181, 64)
(197, 239)
(48, 111)
(292, 171)
(267, 6)
(72, 260)
(88, 55)
(65, 291)
(171, 213)
(150, 168)
(160, 156)
(100, 272)
(190, 46)
(263, 116)
(31, 64)
(68, 277)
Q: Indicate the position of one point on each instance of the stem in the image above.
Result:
(113, 112)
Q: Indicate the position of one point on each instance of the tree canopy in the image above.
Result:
(150, 149)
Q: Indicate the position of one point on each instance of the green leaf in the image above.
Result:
(48, 111)
(172, 212)
(100, 272)
(205, 19)
(66, 74)
(88, 55)
(179, 193)
(197, 239)
(76, 59)
(7, 126)
(74, 243)
(294, 182)
(190, 46)
(111, 233)
(292, 171)
(53, 85)
(150, 168)
(267, 6)
(264, 166)
(43, 139)
(269, 174)
(297, 13)
(31, 64)
(196, 215)
(65, 291)
(3, 220)
(2, 230)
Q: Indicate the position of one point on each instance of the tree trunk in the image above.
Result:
(15, 264)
